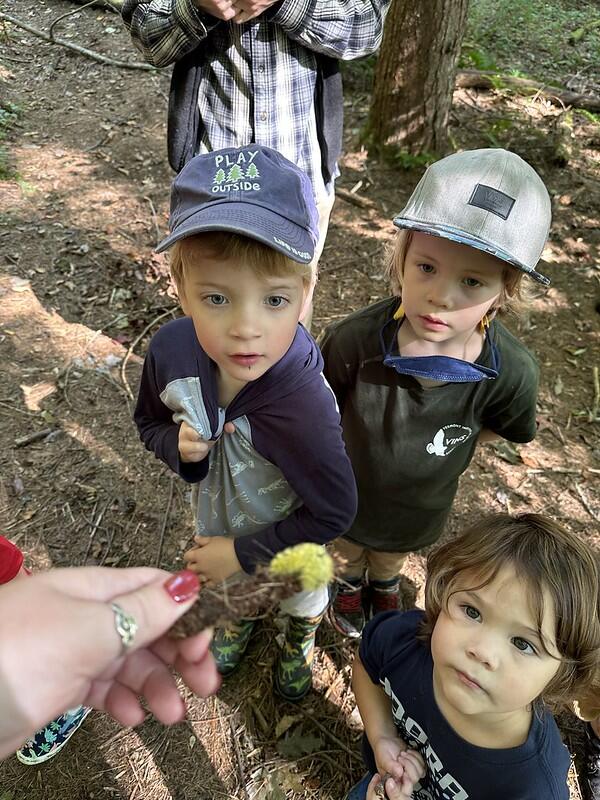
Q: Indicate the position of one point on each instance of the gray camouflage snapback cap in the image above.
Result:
(489, 199)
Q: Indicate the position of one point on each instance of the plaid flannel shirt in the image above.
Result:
(259, 78)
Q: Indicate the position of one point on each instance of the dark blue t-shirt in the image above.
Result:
(456, 770)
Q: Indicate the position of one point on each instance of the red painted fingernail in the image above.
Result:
(183, 585)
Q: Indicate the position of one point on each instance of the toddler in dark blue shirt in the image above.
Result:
(456, 700)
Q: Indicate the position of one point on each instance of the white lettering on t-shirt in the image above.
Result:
(442, 785)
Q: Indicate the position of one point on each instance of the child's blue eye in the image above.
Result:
(472, 283)
(275, 301)
(523, 645)
(217, 299)
(471, 612)
(426, 268)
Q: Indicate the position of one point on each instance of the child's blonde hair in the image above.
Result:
(516, 293)
(549, 559)
(262, 259)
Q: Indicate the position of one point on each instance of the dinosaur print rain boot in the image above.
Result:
(293, 671)
(229, 644)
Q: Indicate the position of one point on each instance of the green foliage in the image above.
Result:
(498, 129)
(358, 73)
(472, 57)
(595, 118)
(9, 117)
(539, 40)
(408, 161)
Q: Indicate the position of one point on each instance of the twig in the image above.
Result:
(328, 733)
(153, 211)
(23, 441)
(596, 402)
(17, 410)
(134, 344)
(164, 523)
(586, 503)
(65, 15)
(260, 717)
(561, 470)
(75, 47)
(95, 527)
(238, 756)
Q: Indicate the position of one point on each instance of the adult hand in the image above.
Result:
(221, 9)
(60, 648)
(214, 559)
(249, 9)
(192, 447)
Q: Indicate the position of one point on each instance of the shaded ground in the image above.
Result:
(81, 291)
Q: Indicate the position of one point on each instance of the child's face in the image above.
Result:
(244, 322)
(447, 287)
(489, 663)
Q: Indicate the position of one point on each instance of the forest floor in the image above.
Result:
(83, 201)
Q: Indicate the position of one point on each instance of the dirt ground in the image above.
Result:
(80, 294)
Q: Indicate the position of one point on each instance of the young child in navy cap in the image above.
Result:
(425, 375)
(243, 230)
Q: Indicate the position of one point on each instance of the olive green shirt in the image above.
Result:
(408, 444)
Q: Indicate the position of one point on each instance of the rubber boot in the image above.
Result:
(293, 670)
(229, 645)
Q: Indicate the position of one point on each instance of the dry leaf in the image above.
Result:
(558, 386)
(284, 724)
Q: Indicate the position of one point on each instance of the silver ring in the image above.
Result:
(126, 626)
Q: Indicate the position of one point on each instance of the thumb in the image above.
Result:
(229, 427)
(202, 540)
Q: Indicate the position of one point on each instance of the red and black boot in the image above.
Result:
(346, 613)
(385, 595)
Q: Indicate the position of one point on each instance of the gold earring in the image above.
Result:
(484, 324)
(400, 313)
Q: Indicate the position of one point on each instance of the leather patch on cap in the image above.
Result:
(493, 200)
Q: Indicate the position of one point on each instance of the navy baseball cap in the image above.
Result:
(253, 191)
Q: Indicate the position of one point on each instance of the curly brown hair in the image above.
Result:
(550, 560)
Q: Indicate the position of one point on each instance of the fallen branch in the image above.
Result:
(354, 199)
(486, 79)
(23, 441)
(75, 47)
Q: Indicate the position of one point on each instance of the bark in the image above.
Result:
(414, 77)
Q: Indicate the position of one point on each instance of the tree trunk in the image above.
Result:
(414, 76)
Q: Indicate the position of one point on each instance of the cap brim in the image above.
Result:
(248, 219)
(456, 235)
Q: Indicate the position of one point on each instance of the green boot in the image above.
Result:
(229, 644)
(293, 671)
